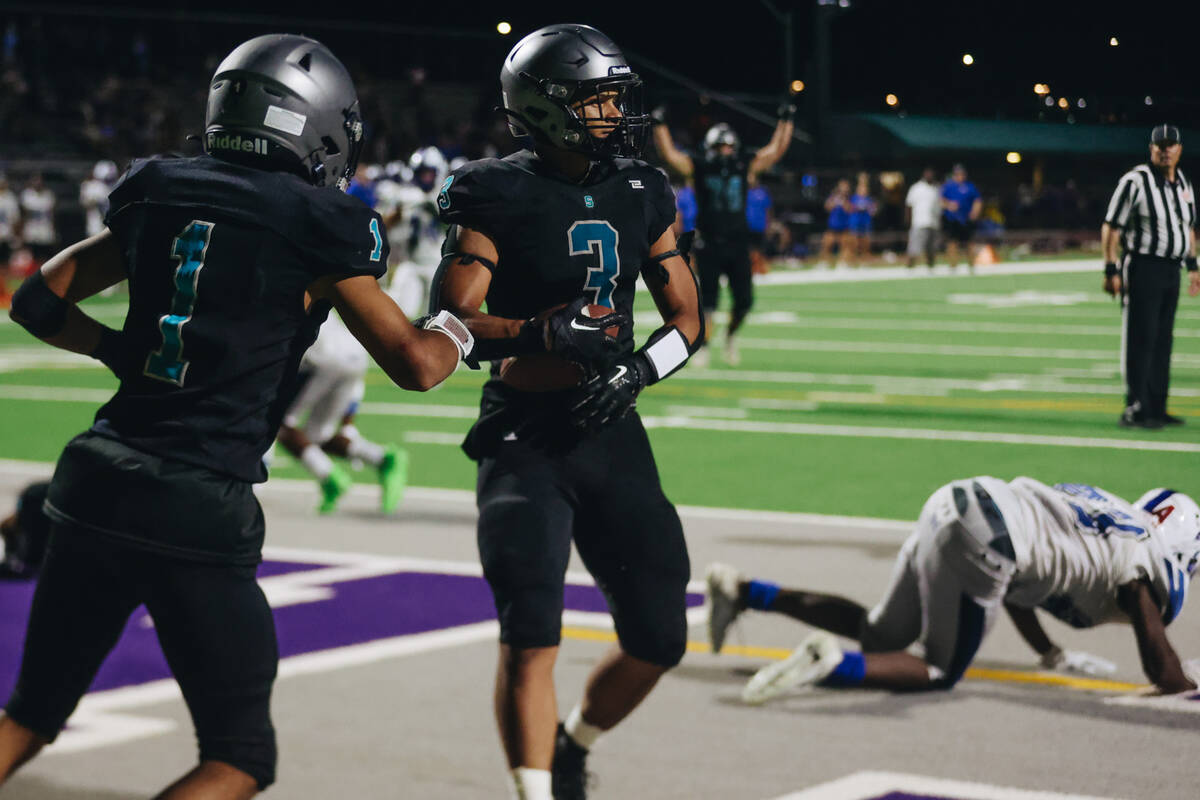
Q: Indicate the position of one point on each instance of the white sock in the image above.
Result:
(530, 784)
(583, 733)
(316, 461)
(360, 448)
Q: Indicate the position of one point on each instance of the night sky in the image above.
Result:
(912, 49)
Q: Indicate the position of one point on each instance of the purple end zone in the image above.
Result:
(363, 610)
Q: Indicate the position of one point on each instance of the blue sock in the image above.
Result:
(850, 672)
(761, 595)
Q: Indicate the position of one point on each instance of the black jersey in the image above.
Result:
(721, 186)
(219, 257)
(558, 240)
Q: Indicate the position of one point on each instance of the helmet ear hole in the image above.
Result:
(331, 148)
(305, 62)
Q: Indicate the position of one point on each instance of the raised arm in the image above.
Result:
(770, 154)
(1159, 660)
(46, 305)
(676, 159)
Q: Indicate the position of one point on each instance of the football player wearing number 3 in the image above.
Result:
(570, 222)
(981, 544)
(233, 260)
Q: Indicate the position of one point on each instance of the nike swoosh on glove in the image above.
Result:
(612, 394)
(575, 336)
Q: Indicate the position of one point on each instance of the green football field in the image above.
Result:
(854, 397)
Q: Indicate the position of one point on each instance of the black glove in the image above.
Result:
(612, 394)
(1190, 263)
(786, 111)
(1110, 269)
(658, 116)
(577, 337)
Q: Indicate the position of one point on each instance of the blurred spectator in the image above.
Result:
(361, 186)
(37, 215)
(961, 207)
(922, 206)
(837, 228)
(686, 209)
(93, 196)
(758, 213)
(862, 215)
(10, 215)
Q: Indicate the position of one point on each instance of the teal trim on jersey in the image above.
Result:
(377, 253)
(601, 238)
(444, 194)
(189, 248)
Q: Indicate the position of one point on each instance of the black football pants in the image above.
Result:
(1151, 296)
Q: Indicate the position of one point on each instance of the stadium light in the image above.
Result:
(503, 28)
(797, 87)
(1063, 102)
(1049, 101)
(1041, 88)
(1112, 41)
(1013, 157)
(968, 59)
(891, 99)
(1081, 103)
(1149, 100)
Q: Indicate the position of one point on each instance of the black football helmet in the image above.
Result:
(282, 101)
(554, 72)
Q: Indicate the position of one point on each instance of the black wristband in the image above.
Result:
(1190, 263)
(37, 309)
(111, 351)
(1110, 269)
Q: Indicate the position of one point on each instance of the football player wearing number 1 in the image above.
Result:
(233, 260)
(573, 221)
(1077, 552)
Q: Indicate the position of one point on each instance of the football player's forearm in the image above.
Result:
(1030, 628)
(1159, 660)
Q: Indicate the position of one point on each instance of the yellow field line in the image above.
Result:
(974, 673)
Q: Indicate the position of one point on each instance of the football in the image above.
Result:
(547, 372)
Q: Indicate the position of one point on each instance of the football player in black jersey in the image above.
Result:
(722, 177)
(234, 259)
(574, 219)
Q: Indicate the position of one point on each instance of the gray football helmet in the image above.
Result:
(717, 135)
(282, 101)
(549, 75)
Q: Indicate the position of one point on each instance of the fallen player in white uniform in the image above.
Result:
(1075, 551)
(319, 422)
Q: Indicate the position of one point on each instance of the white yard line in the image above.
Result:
(972, 351)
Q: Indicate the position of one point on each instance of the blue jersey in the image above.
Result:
(862, 209)
(965, 194)
(839, 218)
(758, 203)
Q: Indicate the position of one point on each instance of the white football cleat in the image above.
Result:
(816, 657)
(701, 358)
(733, 356)
(721, 583)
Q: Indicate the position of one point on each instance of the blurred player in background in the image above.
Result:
(319, 421)
(1084, 555)
(24, 534)
(837, 224)
(721, 178)
(922, 205)
(961, 207)
(93, 196)
(235, 258)
(573, 220)
(758, 218)
(410, 210)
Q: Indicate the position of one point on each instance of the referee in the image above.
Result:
(1151, 218)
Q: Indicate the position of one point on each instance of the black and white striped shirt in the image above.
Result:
(1156, 217)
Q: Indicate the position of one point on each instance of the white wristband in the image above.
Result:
(452, 327)
(667, 354)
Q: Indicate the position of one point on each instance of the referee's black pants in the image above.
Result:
(1151, 296)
